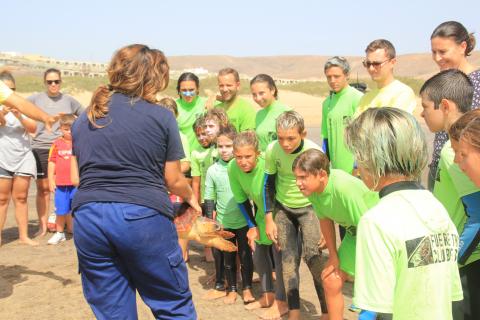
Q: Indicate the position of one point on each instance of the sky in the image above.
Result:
(91, 30)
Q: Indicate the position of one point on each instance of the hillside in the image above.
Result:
(306, 67)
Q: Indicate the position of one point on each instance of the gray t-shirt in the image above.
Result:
(15, 151)
(52, 105)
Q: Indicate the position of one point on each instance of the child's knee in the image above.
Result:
(332, 284)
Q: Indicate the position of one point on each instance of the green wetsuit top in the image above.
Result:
(240, 113)
(249, 186)
(217, 187)
(265, 123)
(336, 111)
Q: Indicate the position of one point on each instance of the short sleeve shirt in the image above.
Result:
(337, 109)
(406, 256)
(249, 186)
(265, 123)
(451, 184)
(240, 113)
(63, 103)
(201, 159)
(280, 163)
(187, 114)
(217, 187)
(125, 160)
(395, 95)
(61, 154)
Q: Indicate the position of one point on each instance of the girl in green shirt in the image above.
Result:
(246, 176)
(265, 93)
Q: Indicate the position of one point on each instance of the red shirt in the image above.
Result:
(60, 154)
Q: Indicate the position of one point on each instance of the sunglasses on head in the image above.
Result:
(50, 82)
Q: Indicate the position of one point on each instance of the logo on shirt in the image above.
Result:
(435, 248)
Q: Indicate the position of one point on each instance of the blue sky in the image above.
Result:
(93, 29)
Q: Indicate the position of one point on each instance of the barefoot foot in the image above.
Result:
(28, 241)
(213, 294)
(230, 298)
(276, 311)
(40, 233)
(248, 296)
(264, 302)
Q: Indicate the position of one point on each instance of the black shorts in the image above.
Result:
(41, 158)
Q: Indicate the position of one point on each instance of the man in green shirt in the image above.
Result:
(336, 197)
(239, 111)
(292, 210)
(339, 106)
(445, 97)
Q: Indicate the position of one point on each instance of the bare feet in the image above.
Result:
(248, 296)
(28, 241)
(40, 233)
(276, 311)
(230, 298)
(213, 294)
(264, 302)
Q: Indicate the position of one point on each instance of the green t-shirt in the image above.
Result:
(217, 187)
(336, 111)
(280, 163)
(406, 259)
(187, 114)
(249, 186)
(201, 160)
(186, 147)
(344, 201)
(265, 123)
(240, 113)
(451, 184)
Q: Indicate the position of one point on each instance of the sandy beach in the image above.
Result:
(43, 283)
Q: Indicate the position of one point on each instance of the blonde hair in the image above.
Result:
(66, 119)
(170, 104)
(136, 71)
(388, 141)
(458, 126)
(246, 138)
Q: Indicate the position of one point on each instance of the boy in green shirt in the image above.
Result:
(219, 198)
(339, 106)
(240, 112)
(445, 97)
(336, 197)
(292, 210)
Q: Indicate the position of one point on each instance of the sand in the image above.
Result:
(42, 282)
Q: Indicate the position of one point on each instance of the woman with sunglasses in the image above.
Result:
(190, 106)
(17, 164)
(53, 102)
(451, 45)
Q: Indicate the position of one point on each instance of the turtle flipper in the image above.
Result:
(220, 244)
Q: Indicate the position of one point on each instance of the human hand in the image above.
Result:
(331, 267)
(271, 228)
(322, 244)
(51, 185)
(193, 202)
(50, 120)
(252, 235)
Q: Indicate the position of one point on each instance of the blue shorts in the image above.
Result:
(63, 199)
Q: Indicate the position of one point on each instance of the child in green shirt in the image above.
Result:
(292, 211)
(246, 175)
(445, 98)
(219, 198)
(336, 197)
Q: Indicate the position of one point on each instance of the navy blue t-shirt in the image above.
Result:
(125, 160)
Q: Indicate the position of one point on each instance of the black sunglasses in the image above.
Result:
(49, 82)
(375, 64)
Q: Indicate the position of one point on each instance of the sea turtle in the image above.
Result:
(190, 225)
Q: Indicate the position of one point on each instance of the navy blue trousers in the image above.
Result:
(123, 248)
